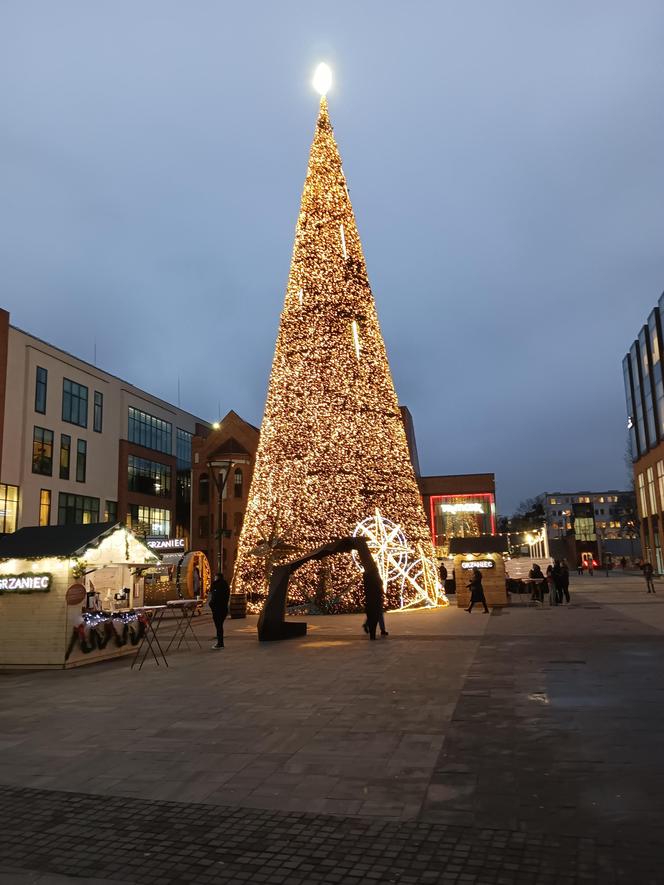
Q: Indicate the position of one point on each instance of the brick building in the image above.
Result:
(225, 456)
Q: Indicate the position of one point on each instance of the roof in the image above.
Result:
(458, 484)
(479, 544)
(35, 542)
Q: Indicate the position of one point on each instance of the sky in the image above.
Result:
(505, 163)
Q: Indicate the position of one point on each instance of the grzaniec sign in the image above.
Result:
(25, 583)
(478, 563)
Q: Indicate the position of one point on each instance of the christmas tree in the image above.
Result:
(333, 452)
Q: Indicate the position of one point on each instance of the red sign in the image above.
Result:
(75, 594)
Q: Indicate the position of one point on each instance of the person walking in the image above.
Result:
(373, 605)
(623, 563)
(590, 565)
(563, 578)
(443, 575)
(218, 602)
(477, 591)
(648, 572)
(579, 567)
(550, 586)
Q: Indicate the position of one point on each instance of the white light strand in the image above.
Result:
(356, 339)
(419, 583)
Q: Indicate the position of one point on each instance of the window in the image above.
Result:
(651, 490)
(65, 455)
(98, 416)
(149, 477)
(74, 403)
(642, 496)
(149, 520)
(81, 457)
(153, 433)
(203, 527)
(77, 509)
(183, 448)
(8, 507)
(111, 512)
(42, 451)
(238, 482)
(45, 507)
(40, 390)
(660, 479)
(203, 488)
(553, 501)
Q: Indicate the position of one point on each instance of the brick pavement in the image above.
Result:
(521, 748)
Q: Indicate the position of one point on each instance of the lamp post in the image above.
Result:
(223, 468)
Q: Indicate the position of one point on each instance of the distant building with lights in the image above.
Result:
(644, 395)
(79, 445)
(584, 522)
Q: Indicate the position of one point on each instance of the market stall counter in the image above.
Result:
(71, 595)
(484, 552)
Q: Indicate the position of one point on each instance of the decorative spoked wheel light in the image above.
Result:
(418, 579)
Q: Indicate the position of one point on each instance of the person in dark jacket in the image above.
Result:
(218, 602)
(537, 580)
(564, 581)
(373, 606)
(477, 591)
(648, 572)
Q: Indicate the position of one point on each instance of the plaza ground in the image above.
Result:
(520, 747)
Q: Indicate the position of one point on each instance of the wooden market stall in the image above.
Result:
(179, 579)
(67, 594)
(486, 553)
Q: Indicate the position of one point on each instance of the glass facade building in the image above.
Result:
(644, 397)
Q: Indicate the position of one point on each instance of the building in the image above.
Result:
(644, 394)
(609, 515)
(458, 506)
(224, 457)
(80, 445)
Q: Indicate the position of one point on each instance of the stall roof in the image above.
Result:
(35, 542)
(479, 544)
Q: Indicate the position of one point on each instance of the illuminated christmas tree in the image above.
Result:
(333, 452)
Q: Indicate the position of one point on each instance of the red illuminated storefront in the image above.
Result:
(459, 506)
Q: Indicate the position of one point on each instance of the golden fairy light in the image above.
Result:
(332, 445)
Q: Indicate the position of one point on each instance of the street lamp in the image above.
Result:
(220, 478)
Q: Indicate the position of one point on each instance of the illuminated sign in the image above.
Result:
(462, 508)
(478, 563)
(170, 545)
(25, 583)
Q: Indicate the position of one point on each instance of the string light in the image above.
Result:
(332, 445)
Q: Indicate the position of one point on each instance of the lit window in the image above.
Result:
(77, 509)
(45, 507)
(148, 477)
(8, 507)
(153, 433)
(42, 451)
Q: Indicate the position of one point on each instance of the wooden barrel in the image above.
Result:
(238, 605)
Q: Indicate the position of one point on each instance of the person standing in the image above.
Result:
(536, 583)
(556, 590)
(579, 567)
(623, 563)
(477, 591)
(564, 582)
(218, 602)
(648, 572)
(443, 575)
(196, 582)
